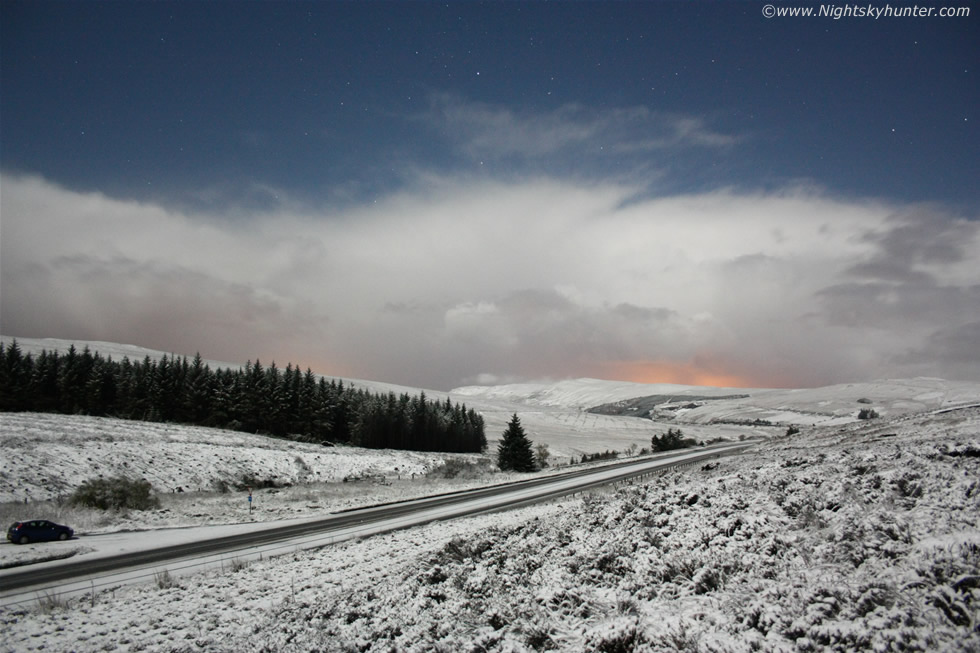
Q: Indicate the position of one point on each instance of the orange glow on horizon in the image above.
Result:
(689, 373)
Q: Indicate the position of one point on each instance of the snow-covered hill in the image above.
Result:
(849, 535)
(831, 404)
(554, 413)
(46, 456)
(580, 394)
(863, 536)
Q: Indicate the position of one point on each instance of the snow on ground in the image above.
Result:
(585, 393)
(210, 611)
(554, 413)
(558, 422)
(830, 405)
(572, 432)
(49, 455)
(862, 536)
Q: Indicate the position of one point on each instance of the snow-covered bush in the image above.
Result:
(116, 493)
(838, 540)
(811, 546)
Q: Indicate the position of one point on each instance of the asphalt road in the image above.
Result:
(379, 518)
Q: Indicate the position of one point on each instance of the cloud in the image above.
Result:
(914, 241)
(484, 130)
(955, 350)
(457, 280)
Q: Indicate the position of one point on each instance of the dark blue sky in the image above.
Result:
(342, 100)
(437, 194)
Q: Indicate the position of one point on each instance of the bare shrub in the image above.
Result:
(164, 580)
(115, 493)
(50, 602)
(237, 564)
(460, 468)
(459, 549)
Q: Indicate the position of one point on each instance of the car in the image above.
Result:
(38, 530)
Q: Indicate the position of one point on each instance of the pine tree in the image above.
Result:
(515, 449)
(254, 399)
(15, 376)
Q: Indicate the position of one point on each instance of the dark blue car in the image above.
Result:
(38, 530)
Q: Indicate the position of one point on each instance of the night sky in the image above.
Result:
(439, 194)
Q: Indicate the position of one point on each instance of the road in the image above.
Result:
(26, 584)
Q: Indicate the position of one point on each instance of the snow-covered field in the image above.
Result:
(857, 537)
(836, 404)
(555, 413)
(850, 535)
(46, 456)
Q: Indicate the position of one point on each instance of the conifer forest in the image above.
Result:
(285, 403)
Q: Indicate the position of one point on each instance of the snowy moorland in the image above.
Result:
(556, 413)
(861, 536)
(834, 404)
(848, 535)
(47, 456)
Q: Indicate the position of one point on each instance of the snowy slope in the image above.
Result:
(553, 413)
(830, 404)
(892, 397)
(46, 456)
(566, 431)
(857, 537)
(839, 403)
(849, 535)
(584, 393)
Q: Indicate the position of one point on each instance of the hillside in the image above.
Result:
(46, 456)
(849, 535)
(556, 413)
(864, 536)
(836, 404)
(581, 394)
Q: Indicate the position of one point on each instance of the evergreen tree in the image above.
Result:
(15, 376)
(515, 449)
(673, 439)
(199, 393)
(255, 399)
(44, 394)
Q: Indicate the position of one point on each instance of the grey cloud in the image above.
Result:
(677, 132)
(155, 304)
(540, 333)
(530, 279)
(916, 288)
(411, 308)
(894, 306)
(915, 240)
(642, 314)
(894, 270)
(912, 274)
(483, 130)
(955, 349)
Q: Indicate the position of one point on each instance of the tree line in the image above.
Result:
(285, 403)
